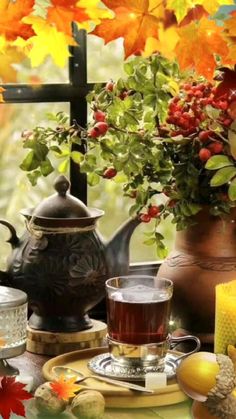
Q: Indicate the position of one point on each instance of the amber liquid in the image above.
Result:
(138, 322)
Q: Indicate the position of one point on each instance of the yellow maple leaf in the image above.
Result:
(4, 4)
(165, 44)
(65, 388)
(198, 43)
(47, 41)
(9, 55)
(2, 43)
(95, 13)
(156, 8)
(211, 6)
(181, 7)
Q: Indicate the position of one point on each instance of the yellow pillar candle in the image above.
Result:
(225, 317)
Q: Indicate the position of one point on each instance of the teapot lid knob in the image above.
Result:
(61, 185)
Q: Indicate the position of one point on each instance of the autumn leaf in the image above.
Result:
(180, 7)
(134, 20)
(213, 5)
(193, 14)
(198, 44)
(3, 43)
(11, 395)
(1, 94)
(63, 13)
(165, 44)
(94, 12)
(230, 25)
(232, 50)
(47, 41)
(11, 24)
(10, 56)
(65, 388)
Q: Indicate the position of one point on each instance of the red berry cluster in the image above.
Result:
(187, 113)
(153, 212)
(187, 110)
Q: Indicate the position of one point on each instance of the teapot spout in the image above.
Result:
(117, 249)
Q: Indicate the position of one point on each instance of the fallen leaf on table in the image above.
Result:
(11, 395)
(65, 388)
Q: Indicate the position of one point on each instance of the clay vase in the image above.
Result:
(204, 256)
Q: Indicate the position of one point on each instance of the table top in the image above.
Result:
(31, 365)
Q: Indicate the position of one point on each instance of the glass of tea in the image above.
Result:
(138, 314)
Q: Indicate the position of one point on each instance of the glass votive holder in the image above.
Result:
(225, 317)
(13, 323)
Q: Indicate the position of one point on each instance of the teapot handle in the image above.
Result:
(13, 240)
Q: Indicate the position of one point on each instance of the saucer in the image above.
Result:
(103, 364)
(115, 396)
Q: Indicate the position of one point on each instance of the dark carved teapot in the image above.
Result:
(62, 263)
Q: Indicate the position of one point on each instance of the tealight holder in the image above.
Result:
(13, 323)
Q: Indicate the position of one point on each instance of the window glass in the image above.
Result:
(108, 196)
(47, 72)
(104, 61)
(16, 190)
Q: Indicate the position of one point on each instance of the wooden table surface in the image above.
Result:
(31, 365)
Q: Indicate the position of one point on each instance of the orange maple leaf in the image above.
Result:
(134, 20)
(230, 24)
(11, 24)
(63, 13)
(1, 98)
(193, 14)
(198, 45)
(65, 388)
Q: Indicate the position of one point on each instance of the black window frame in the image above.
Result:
(73, 92)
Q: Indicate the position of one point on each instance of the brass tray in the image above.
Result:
(115, 396)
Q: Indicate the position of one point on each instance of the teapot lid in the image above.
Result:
(62, 204)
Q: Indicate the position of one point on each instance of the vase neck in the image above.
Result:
(210, 237)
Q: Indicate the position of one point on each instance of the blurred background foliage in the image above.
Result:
(104, 63)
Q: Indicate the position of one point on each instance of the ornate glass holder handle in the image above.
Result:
(13, 323)
(176, 340)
